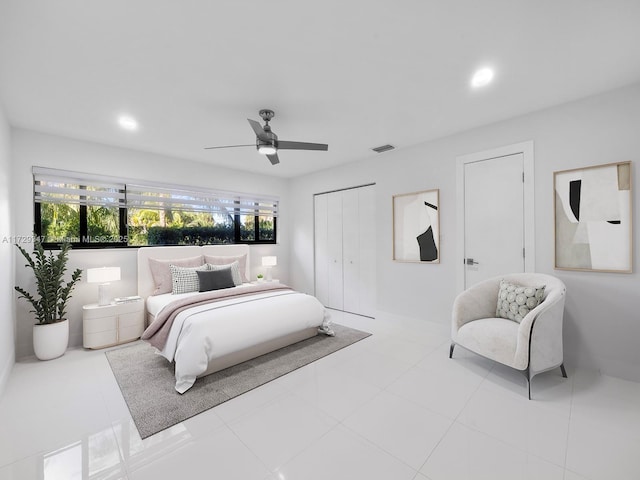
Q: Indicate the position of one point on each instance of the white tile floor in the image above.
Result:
(391, 407)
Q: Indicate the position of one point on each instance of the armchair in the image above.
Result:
(532, 346)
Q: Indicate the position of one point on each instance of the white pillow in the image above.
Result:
(516, 301)
(219, 260)
(235, 271)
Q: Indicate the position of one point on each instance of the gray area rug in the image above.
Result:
(147, 379)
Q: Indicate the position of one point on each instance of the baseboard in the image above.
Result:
(7, 366)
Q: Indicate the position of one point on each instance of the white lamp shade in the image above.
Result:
(267, 149)
(269, 261)
(103, 275)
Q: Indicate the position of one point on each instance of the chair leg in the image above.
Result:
(527, 375)
(451, 349)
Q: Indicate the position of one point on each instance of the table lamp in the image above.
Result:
(269, 262)
(103, 276)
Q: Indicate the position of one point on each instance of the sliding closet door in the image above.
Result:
(350, 250)
(334, 235)
(366, 251)
(359, 247)
(321, 247)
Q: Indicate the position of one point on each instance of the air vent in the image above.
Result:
(383, 148)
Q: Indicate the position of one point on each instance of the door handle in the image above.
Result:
(469, 261)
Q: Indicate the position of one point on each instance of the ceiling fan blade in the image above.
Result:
(260, 133)
(284, 145)
(231, 146)
(273, 158)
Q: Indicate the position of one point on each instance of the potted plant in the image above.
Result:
(51, 332)
(260, 277)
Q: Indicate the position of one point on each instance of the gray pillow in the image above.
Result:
(516, 301)
(215, 279)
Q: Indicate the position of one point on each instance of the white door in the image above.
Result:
(367, 251)
(321, 247)
(345, 250)
(334, 235)
(359, 246)
(494, 226)
(350, 254)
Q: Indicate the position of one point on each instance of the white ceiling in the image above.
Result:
(351, 73)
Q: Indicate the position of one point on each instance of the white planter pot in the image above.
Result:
(51, 340)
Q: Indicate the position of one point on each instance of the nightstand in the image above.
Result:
(107, 325)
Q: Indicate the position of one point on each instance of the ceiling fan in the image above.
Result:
(267, 142)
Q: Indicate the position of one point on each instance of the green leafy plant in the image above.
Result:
(53, 291)
(259, 276)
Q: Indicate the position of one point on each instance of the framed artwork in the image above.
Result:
(416, 227)
(593, 212)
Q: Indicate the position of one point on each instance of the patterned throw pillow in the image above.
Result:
(515, 301)
(185, 279)
(235, 271)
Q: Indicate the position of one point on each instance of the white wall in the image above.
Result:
(7, 308)
(30, 148)
(602, 324)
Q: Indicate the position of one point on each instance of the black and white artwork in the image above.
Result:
(593, 218)
(416, 227)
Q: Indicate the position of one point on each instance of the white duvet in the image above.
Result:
(203, 333)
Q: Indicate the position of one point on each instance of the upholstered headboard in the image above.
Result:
(146, 285)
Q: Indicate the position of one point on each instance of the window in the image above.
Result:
(81, 211)
(90, 211)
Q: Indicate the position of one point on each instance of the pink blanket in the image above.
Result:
(157, 332)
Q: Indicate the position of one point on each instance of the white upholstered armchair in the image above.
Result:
(531, 343)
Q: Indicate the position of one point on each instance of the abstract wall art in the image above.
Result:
(593, 212)
(416, 227)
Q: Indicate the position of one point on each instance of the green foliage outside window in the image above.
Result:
(190, 235)
(266, 229)
(103, 222)
(60, 223)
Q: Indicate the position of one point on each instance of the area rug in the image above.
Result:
(147, 380)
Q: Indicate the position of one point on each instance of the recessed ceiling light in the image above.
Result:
(482, 77)
(128, 123)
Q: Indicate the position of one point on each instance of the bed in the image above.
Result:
(204, 332)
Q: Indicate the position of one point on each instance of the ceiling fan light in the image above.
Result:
(267, 149)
